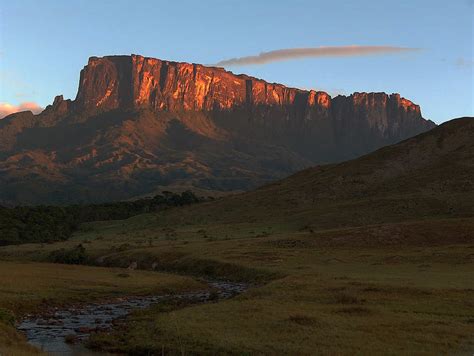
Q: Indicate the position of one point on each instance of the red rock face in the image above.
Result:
(124, 81)
(138, 123)
(137, 82)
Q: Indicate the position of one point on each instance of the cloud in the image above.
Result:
(7, 109)
(312, 52)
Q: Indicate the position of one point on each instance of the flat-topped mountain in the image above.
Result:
(139, 125)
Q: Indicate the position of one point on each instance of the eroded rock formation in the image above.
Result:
(140, 124)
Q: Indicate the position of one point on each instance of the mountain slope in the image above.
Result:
(140, 124)
(428, 176)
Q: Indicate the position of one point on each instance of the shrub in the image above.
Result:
(6, 317)
(75, 256)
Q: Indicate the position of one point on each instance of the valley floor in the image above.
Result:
(401, 288)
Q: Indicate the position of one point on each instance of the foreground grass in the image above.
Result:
(385, 289)
(332, 301)
(309, 315)
(12, 343)
(33, 287)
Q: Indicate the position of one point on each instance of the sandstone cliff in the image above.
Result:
(139, 124)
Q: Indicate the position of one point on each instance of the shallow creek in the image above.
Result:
(62, 331)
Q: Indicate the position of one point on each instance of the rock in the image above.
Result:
(133, 116)
(133, 265)
(113, 82)
(84, 330)
(59, 106)
(71, 339)
(54, 322)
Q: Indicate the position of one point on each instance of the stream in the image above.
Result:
(62, 331)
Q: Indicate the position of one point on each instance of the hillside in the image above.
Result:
(427, 176)
(141, 125)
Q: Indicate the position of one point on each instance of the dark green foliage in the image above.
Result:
(6, 317)
(26, 224)
(35, 224)
(74, 256)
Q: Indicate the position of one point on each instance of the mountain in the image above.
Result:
(426, 177)
(140, 124)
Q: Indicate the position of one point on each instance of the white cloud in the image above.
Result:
(7, 109)
(312, 52)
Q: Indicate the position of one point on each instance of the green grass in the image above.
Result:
(308, 314)
(27, 286)
(386, 288)
(14, 344)
(333, 299)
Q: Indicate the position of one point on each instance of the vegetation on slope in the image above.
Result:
(26, 224)
(423, 177)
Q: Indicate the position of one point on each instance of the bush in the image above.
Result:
(74, 256)
(6, 317)
(25, 224)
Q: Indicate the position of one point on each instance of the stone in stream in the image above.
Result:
(71, 339)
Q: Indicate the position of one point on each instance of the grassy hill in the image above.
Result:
(426, 177)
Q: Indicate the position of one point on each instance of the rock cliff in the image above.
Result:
(140, 124)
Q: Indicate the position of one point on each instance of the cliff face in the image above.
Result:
(141, 123)
(134, 81)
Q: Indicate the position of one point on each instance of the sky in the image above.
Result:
(44, 45)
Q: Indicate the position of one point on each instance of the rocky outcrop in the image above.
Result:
(141, 123)
(134, 81)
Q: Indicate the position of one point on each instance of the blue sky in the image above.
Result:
(44, 44)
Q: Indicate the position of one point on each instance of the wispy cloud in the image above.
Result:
(7, 109)
(312, 52)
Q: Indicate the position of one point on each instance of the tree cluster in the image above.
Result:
(25, 224)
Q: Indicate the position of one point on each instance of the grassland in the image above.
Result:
(385, 288)
(33, 287)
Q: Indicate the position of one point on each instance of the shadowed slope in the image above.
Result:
(426, 176)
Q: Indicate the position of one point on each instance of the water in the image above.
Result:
(61, 331)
